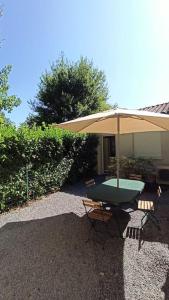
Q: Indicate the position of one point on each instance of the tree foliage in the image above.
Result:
(69, 90)
(6, 102)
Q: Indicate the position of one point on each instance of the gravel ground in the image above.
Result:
(44, 254)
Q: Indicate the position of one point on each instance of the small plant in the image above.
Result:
(128, 165)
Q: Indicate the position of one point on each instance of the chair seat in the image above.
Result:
(100, 215)
(92, 204)
(146, 205)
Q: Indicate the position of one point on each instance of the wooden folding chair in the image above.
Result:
(135, 176)
(149, 208)
(95, 212)
(107, 175)
(89, 183)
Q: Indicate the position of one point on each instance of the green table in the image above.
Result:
(107, 192)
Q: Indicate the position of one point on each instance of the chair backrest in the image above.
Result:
(107, 177)
(135, 176)
(89, 183)
(92, 204)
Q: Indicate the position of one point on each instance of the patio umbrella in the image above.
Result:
(118, 121)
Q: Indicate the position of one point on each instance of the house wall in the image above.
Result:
(126, 145)
(150, 144)
(165, 148)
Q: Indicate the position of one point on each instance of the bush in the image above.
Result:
(38, 160)
(128, 165)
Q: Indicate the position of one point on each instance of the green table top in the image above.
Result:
(108, 192)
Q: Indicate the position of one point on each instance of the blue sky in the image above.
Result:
(129, 40)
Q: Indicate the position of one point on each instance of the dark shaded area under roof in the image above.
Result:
(159, 108)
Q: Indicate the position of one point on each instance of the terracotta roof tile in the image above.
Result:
(159, 108)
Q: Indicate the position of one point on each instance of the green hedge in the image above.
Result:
(35, 161)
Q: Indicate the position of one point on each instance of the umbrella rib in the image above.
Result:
(87, 125)
(100, 119)
(138, 118)
(150, 123)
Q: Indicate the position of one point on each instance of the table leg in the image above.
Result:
(117, 223)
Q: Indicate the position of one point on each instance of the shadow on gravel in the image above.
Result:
(79, 188)
(153, 235)
(49, 259)
(165, 288)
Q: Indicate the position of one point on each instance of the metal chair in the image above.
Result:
(149, 208)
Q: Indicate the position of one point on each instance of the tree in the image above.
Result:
(7, 103)
(69, 90)
(0, 16)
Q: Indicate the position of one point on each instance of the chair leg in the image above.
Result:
(92, 227)
(97, 241)
(144, 219)
(155, 221)
(107, 230)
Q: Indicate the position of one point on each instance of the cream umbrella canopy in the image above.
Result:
(118, 121)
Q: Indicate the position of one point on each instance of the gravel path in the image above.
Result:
(43, 254)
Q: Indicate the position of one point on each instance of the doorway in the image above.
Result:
(109, 150)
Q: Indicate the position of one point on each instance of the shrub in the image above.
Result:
(142, 166)
(38, 160)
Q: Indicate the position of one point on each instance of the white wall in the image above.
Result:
(126, 145)
(147, 145)
(150, 144)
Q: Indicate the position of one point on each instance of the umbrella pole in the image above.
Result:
(118, 149)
